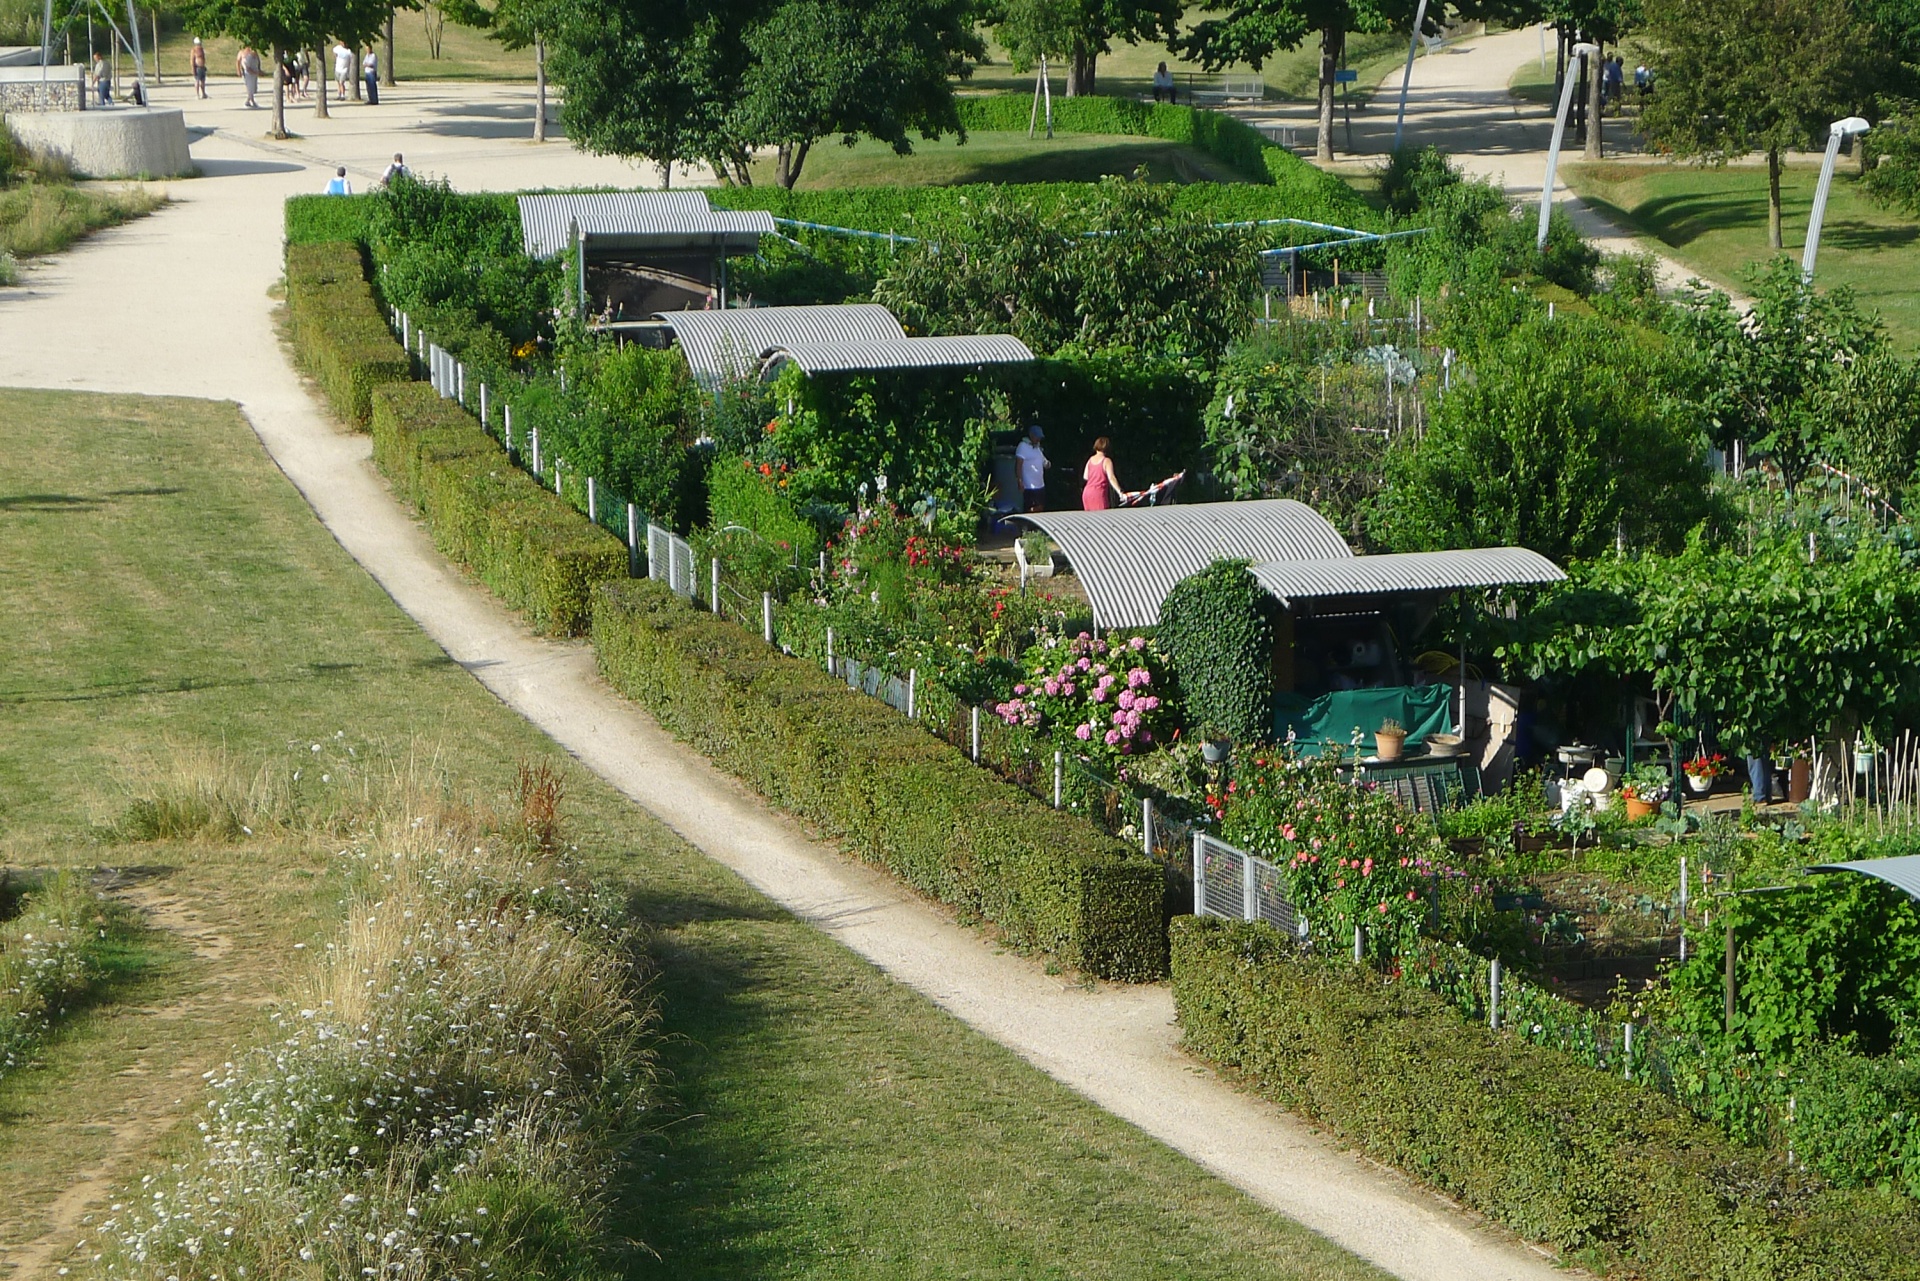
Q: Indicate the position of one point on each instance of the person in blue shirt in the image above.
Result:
(339, 186)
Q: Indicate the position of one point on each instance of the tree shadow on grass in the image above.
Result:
(1680, 220)
(1869, 237)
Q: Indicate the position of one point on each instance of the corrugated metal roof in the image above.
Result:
(637, 220)
(732, 341)
(1129, 558)
(1902, 873)
(1291, 580)
(903, 353)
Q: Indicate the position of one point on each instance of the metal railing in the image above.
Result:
(1229, 882)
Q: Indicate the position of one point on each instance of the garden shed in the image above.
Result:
(1337, 662)
(846, 338)
(642, 251)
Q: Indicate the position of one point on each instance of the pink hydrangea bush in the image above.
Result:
(1103, 697)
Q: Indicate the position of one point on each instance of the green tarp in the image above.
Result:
(1331, 718)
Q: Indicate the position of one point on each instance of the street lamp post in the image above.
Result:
(1413, 42)
(1582, 50)
(1838, 132)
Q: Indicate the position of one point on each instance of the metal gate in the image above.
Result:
(1233, 883)
(670, 560)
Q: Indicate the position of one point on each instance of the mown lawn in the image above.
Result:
(167, 596)
(1715, 221)
(1003, 157)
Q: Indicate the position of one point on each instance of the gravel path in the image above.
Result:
(178, 304)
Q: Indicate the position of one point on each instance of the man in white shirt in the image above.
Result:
(398, 169)
(1033, 470)
(342, 68)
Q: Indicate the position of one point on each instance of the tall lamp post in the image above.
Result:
(1413, 42)
(1838, 132)
(1581, 50)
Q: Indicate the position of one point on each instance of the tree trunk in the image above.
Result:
(279, 129)
(1332, 40)
(1596, 85)
(353, 75)
(539, 88)
(1773, 201)
(790, 159)
(388, 73)
(320, 99)
(1080, 71)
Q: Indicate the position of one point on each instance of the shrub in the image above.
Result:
(1217, 629)
(318, 219)
(339, 335)
(1560, 1153)
(1103, 698)
(895, 794)
(62, 944)
(540, 555)
(1893, 158)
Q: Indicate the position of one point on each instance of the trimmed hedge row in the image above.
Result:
(1606, 1171)
(316, 219)
(532, 548)
(338, 332)
(895, 794)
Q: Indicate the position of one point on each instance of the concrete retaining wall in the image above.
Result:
(114, 142)
(21, 89)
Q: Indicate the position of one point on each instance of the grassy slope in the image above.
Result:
(167, 590)
(1003, 157)
(1715, 221)
(46, 217)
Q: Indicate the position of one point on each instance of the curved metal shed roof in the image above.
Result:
(1902, 873)
(901, 353)
(1129, 558)
(1405, 572)
(732, 341)
(637, 220)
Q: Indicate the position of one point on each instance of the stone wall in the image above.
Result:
(64, 90)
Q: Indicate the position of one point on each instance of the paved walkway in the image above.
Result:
(178, 304)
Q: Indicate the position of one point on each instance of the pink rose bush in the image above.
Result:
(1105, 698)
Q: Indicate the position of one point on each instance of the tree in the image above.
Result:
(877, 68)
(1082, 30)
(1739, 76)
(516, 24)
(1568, 436)
(280, 25)
(1254, 30)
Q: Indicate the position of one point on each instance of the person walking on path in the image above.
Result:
(248, 63)
(1033, 470)
(197, 61)
(342, 69)
(1096, 494)
(370, 72)
(338, 185)
(398, 169)
(102, 81)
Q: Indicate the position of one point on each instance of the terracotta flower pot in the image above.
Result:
(1638, 809)
(1388, 746)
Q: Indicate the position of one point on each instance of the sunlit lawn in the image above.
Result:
(1715, 221)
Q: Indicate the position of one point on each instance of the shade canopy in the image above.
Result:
(731, 343)
(900, 353)
(612, 221)
(1129, 558)
(1902, 873)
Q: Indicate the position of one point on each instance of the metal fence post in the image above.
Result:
(829, 649)
(1626, 1048)
(533, 448)
(1359, 943)
(1059, 767)
(1146, 825)
(406, 330)
(485, 425)
(713, 594)
(460, 382)
(976, 736)
(593, 502)
(506, 428)
(1683, 907)
(1199, 875)
(556, 475)
(1249, 889)
(913, 688)
(766, 616)
(1493, 995)
(633, 541)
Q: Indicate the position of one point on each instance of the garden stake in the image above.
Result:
(1732, 954)
(1683, 907)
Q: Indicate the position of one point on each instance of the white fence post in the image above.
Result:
(1146, 825)
(556, 475)
(406, 330)
(913, 689)
(1493, 995)
(1359, 943)
(1626, 1048)
(713, 596)
(1199, 875)
(633, 541)
(485, 425)
(533, 448)
(1059, 777)
(1683, 907)
(976, 736)
(830, 666)
(593, 502)
(766, 618)
(460, 382)
(1249, 889)
(506, 426)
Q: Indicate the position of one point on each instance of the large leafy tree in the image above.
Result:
(1081, 30)
(1740, 76)
(882, 68)
(1567, 435)
(1254, 30)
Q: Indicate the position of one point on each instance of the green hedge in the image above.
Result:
(316, 219)
(532, 548)
(893, 793)
(1609, 1172)
(338, 332)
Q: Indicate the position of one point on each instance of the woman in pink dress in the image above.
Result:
(1101, 484)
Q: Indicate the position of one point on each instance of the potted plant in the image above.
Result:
(1702, 770)
(1644, 787)
(1215, 745)
(1866, 750)
(1389, 740)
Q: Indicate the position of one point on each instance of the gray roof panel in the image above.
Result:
(637, 220)
(1902, 873)
(1404, 572)
(1129, 558)
(903, 353)
(732, 341)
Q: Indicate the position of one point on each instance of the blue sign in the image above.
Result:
(1345, 76)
